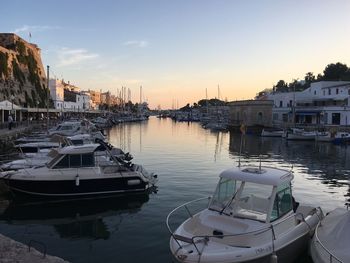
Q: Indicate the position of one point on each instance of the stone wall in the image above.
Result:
(22, 74)
(251, 113)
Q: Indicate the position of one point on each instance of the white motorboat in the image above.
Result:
(335, 137)
(331, 241)
(42, 156)
(36, 149)
(252, 217)
(70, 128)
(272, 133)
(299, 135)
(80, 171)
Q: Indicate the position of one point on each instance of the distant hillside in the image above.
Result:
(21, 72)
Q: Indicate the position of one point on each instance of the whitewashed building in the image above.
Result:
(323, 103)
(67, 97)
(57, 93)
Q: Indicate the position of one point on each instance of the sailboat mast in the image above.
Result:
(206, 99)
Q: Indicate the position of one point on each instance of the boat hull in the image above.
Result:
(66, 188)
(287, 254)
(296, 137)
(266, 133)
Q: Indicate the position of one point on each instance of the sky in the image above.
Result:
(176, 50)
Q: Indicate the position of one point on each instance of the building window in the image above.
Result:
(275, 116)
(336, 118)
(260, 116)
(329, 91)
(290, 103)
(315, 92)
(337, 91)
(324, 92)
(285, 117)
(281, 104)
(325, 118)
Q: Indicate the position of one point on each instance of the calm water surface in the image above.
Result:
(187, 160)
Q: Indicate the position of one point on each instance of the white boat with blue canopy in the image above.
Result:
(252, 217)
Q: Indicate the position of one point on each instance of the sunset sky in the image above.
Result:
(178, 49)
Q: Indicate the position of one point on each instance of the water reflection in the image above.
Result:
(188, 160)
(77, 219)
(323, 162)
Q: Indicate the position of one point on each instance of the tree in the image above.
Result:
(296, 85)
(281, 86)
(336, 72)
(186, 108)
(309, 77)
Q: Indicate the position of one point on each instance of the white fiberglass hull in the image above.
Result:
(242, 248)
(331, 240)
(266, 133)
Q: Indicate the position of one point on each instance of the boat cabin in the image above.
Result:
(74, 157)
(258, 193)
(36, 147)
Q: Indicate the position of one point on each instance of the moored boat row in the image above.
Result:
(76, 165)
(297, 134)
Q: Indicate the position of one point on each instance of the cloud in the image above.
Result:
(67, 56)
(136, 43)
(27, 28)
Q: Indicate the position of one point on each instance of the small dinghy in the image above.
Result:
(252, 217)
(331, 241)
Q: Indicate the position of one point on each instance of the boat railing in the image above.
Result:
(178, 237)
(205, 238)
(332, 257)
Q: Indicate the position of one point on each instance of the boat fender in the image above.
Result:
(274, 258)
(77, 180)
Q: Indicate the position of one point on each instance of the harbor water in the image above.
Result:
(188, 160)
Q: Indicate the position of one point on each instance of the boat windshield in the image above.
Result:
(242, 199)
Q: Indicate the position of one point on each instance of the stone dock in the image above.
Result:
(7, 137)
(13, 251)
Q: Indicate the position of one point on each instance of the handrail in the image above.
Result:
(331, 256)
(177, 208)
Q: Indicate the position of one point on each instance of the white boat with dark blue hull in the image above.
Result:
(80, 171)
(251, 218)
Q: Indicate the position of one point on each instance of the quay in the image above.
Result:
(13, 251)
(7, 137)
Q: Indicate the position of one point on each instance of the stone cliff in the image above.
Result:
(22, 74)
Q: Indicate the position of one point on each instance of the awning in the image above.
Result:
(308, 113)
(7, 105)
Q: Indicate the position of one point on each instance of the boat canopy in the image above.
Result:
(78, 149)
(263, 175)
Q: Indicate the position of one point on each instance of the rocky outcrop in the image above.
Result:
(22, 74)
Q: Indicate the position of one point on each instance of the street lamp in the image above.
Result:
(37, 109)
(12, 98)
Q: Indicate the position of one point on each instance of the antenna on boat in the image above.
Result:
(260, 162)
